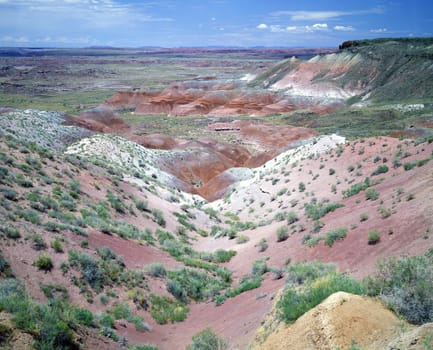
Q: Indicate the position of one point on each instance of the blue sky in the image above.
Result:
(246, 23)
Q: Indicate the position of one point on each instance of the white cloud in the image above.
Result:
(323, 15)
(12, 39)
(344, 28)
(317, 27)
(379, 30)
(276, 29)
(262, 26)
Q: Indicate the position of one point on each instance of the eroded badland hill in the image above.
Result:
(243, 207)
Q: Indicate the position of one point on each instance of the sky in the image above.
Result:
(202, 23)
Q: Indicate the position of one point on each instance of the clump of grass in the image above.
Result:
(373, 237)
(282, 233)
(334, 235)
(44, 262)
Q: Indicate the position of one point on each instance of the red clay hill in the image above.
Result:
(201, 167)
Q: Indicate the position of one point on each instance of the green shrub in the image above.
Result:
(260, 267)
(57, 246)
(198, 284)
(116, 203)
(9, 232)
(38, 242)
(44, 262)
(158, 217)
(156, 270)
(263, 245)
(373, 237)
(316, 210)
(297, 301)
(242, 239)
(282, 233)
(334, 235)
(164, 309)
(141, 205)
(381, 169)
(363, 217)
(356, 188)
(9, 193)
(143, 347)
(371, 194)
(292, 218)
(301, 187)
(405, 285)
(29, 215)
(207, 340)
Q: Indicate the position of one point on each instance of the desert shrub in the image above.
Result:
(242, 239)
(143, 347)
(44, 262)
(259, 267)
(334, 235)
(280, 216)
(207, 340)
(57, 246)
(356, 188)
(363, 217)
(385, 212)
(301, 187)
(305, 272)
(221, 256)
(381, 169)
(10, 232)
(371, 194)
(156, 270)
(316, 210)
(373, 237)
(116, 202)
(9, 193)
(141, 205)
(405, 285)
(91, 272)
(331, 171)
(158, 217)
(5, 268)
(164, 309)
(297, 301)
(38, 242)
(282, 233)
(198, 284)
(262, 245)
(29, 215)
(176, 289)
(292, 217)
